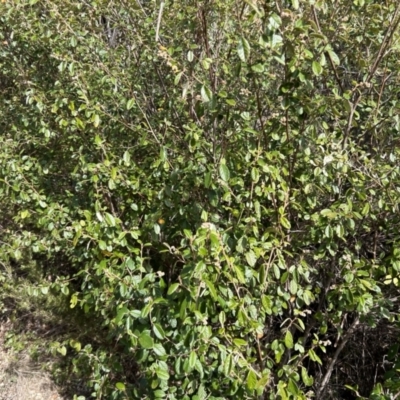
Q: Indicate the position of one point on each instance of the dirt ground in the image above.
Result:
(21, 378)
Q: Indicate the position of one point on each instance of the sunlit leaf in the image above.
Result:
(289, 340)
(316, 68)
(243, 49)
(224, 172)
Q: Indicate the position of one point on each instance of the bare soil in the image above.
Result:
(21, 378)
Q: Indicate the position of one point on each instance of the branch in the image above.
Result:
(329, 371)
(159, 19)
(394, 23)
(313, 321)
(332, 64)
(350, 119)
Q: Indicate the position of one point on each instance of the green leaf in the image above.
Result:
(228, 364)
(263, 382)
(146, 310)
(267, 304)
(130, 103)
(206, 62)
(365, 209)
(255, 8)
(223, 94)
(293, 287)
(251, 381)
(366, 284)
(207, 179)
(159, 349)
(62, 350)
(240, 342)
(44, 290)
(328, 213)
(282, 390)
(109, 219)
(314, 356)
(173, 288)
(178, 78)
(120, 386)
(295, 4)
(292, 388)
(75, 345)
(25, 214)
(258, 68)
(251, 258)
(255, 175)
(159, 394)
(73, 301)
(162, 374)
(212, 289)
(277, 271)
(257, 209)
(285, 222)
(224, 172)
(339, 231)
(222, 318)
(206, 94)
(201, 393)
(328, 231)
(239, 274)
(158, 331)
(145, 340)
(111, 184)
(243, 49)
(334, 57)
(127, 158)
(316, 68)
(289, 340)
(96, 120)
(192, 360)
(307, 380)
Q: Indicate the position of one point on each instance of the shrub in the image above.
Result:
(221, 203)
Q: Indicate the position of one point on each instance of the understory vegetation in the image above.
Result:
(200, 199)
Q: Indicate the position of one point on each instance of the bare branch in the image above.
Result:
(332, 363)
(394, 23)
(159, 19)
(332, 64)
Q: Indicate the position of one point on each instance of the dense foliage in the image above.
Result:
(213, 186)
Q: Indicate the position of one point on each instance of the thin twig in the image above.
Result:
(327, 54)
(329, 371)
(159, 19)
(394, 23)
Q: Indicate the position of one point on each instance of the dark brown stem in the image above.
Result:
(327, 55)
(394, 23)
(332, 363)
